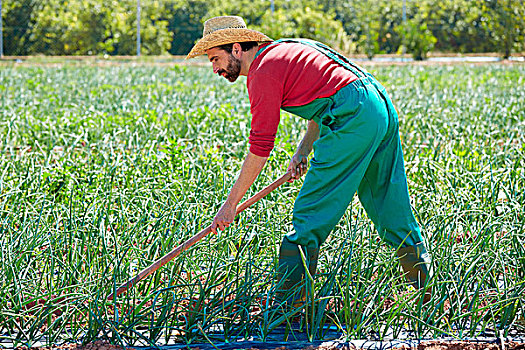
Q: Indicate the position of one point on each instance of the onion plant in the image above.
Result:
(105, 169)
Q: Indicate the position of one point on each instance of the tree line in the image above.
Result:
(97, 27)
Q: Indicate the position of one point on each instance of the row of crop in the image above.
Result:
(104, 170)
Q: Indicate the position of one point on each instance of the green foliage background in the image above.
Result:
(85, 27)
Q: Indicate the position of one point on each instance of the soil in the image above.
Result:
(464, 345)
(427, 345)
(97, 345)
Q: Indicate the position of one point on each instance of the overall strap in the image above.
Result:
(264, 48)
(329, 52)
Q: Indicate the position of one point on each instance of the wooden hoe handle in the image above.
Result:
(186, 245)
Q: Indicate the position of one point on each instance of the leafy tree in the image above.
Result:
(155, 37)
(69, 28)
(368, 39)
(185, 18)
(417, 38)
(370, 24)
(457, 25)
(80, 27)
(507, 24)
(294, 19)
(17, 16)
(305, 23)
(251, 11)
(474, 25)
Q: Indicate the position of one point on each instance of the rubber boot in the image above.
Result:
(415, 262)
(291, 273)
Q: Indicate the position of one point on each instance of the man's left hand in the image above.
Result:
(298, 166)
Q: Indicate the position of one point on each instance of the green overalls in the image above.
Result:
(358, 150)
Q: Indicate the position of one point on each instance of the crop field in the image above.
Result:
(105, 169)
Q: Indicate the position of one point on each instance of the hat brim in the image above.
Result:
(226, 36)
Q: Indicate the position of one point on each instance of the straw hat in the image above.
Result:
(225, 30)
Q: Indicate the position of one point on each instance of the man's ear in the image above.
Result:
(236, 50)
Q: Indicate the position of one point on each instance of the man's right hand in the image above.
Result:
(224, 217)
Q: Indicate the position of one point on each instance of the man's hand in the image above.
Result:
(298, 166)
(223, 218)
(251, 168)
(299, 162)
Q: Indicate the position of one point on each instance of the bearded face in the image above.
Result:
(233, 70)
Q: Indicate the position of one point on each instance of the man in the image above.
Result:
(352, 128)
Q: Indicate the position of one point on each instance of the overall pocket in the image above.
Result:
(347, 103)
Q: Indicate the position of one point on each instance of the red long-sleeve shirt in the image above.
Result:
(286, 75)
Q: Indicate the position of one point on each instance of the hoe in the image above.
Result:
(187, 244)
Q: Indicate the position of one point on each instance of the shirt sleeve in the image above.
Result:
(266, 96)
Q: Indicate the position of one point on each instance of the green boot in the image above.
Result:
(415, 262)
(291, 273)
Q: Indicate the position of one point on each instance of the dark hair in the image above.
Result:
(247, 45)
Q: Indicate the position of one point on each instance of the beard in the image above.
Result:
(233, 70)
